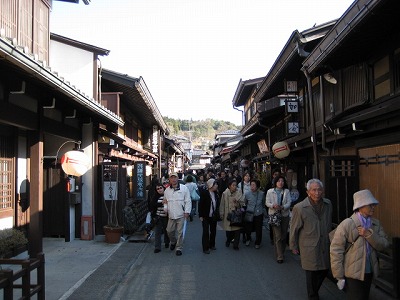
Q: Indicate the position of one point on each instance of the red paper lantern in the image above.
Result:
(75, 163)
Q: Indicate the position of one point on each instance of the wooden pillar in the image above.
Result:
(35, 235)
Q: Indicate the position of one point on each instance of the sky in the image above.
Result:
(192, 53)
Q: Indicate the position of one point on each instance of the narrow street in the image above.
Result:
(135, 272)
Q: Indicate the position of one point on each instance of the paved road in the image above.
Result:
(134, 271)
(224, 274)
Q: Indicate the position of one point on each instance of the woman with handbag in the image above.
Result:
(194, 195)
(232, 200)
(244, 187)
(254, 212)
(278, 202)
(354, 247)
(209, 215)
(160, 217)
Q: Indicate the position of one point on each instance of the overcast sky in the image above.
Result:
(192, 53)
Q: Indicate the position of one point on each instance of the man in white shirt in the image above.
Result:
(179, 205)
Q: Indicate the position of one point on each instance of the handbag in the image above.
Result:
(194, 195)
(249, 216)
(275, 219)
(235, 217)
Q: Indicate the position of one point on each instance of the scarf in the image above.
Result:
(366, 223)
(279, 192)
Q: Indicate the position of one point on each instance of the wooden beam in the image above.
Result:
(35, 235)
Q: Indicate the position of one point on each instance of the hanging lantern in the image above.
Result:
(75, 163)
(281, 150)
(244, 163)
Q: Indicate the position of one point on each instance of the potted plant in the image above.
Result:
(112, 230)
(12, 242)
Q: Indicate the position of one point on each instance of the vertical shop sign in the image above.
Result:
(139, 176)
(154, 140)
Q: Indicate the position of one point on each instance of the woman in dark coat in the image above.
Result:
(209, 215)
(160, 217)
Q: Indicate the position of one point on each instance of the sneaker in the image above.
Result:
(257, 246)
(206, 252)
(172, 247)
(248, 243)
(280, 261)
(178, 252)
(157, 250)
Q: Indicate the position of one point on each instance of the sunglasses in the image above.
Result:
(160, 188)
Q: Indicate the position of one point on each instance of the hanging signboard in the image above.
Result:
(293, 127)
(154, 139)
(110, 190)
(139, 181)
(292, 106)
(262, 146)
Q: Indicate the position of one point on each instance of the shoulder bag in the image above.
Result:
(194, 195)
(276, 218)
(235, 217)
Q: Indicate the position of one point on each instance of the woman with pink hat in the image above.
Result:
(354, 247)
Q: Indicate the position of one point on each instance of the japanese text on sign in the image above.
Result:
(139, 179)
(292, 106)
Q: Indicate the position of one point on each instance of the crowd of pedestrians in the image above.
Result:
(305, 226)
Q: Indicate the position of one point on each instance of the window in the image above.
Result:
(381, 78)
(6, 176)
(396, 71)
(140, 142)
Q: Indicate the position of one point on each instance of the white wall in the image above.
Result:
(74, 64)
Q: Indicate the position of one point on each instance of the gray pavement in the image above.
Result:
(97, 270)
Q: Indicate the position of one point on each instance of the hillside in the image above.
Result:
(199, 131)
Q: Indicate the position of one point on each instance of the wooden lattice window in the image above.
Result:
(6, 183)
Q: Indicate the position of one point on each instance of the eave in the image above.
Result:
(136, 95)
(78, 44)
(357, 36)
(288, 64)
(19, 58)
(244, 90)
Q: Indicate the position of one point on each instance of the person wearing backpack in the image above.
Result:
(194, 195)
(354, 247)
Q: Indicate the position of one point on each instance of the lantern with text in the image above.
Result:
(75, 163)
(281, 150)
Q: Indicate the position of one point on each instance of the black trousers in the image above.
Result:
(357, 289)
(209, 233)
(233, 235)
(257, 225)
(314, 281)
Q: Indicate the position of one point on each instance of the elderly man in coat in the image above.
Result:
(309, 235)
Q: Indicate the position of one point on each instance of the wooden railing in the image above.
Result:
(28, 289)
